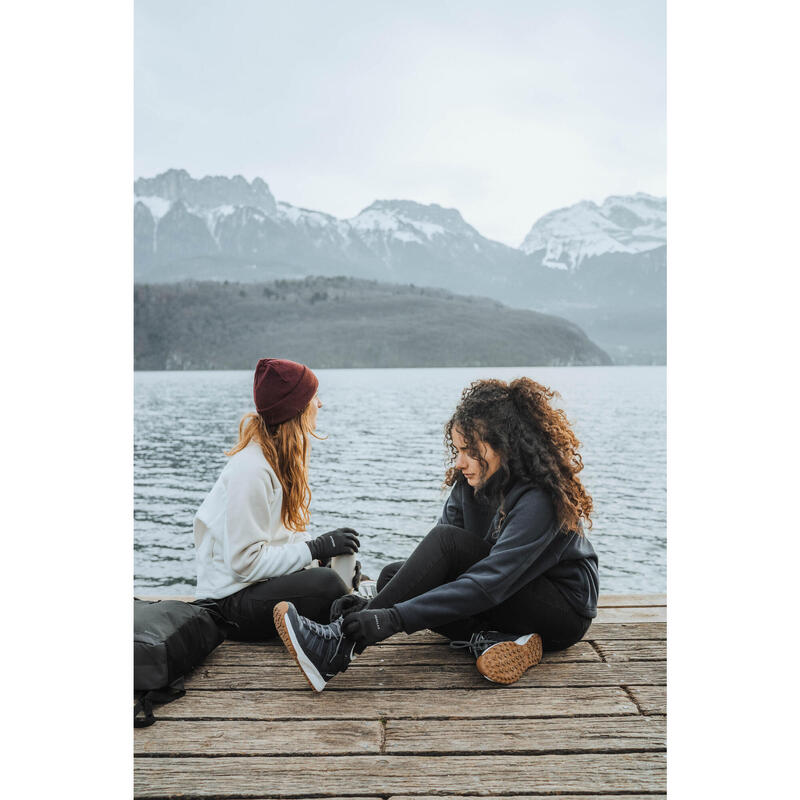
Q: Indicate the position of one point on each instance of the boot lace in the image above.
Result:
(477, 643)
(331, 631)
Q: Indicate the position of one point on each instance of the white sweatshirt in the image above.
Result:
(238, 534)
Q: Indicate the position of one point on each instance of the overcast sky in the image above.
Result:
(503, 110)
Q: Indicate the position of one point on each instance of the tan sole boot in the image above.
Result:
(279, 618)
(506, 662)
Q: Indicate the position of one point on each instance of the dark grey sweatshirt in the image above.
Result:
(525, 545)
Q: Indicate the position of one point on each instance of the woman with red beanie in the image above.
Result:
(249, 533)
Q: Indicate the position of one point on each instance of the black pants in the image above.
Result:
(444, 554)
(311, 590)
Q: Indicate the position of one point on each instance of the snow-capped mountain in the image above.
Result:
(228, 228)
(407, 221)
(218, 216)
(209, 228)
(593, 264)
(211, 191)
(630, 224)
(432, 245)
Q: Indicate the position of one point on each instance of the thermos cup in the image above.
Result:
(345, 566)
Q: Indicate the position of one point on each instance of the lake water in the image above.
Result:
(381, 467)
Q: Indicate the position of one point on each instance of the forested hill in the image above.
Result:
(343, 322)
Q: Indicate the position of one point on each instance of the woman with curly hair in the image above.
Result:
(250, 541)
(508, 570)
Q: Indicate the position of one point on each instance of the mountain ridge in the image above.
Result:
(159, 192)
(621, 223)
(587, 262)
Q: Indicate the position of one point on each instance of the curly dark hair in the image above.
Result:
(533, 439)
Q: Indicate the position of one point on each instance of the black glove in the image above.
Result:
(334, 543)
(371, 625)
(347, 604)
(357, 575)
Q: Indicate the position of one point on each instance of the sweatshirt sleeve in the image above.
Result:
(249, 553)
(518, 556)
(453, 512)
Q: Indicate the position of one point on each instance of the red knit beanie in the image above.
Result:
(282, 389)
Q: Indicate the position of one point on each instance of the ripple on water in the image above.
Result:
(380, 470)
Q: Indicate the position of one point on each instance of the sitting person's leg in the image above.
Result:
(540, 607)
(310, 590)
(444, 554)
(324, 651)
(387, 573)
(460, 629)
(510, 638)
(439, 558)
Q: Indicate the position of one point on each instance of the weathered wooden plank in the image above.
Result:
(580, 735)
(413, 676)
(529, 797)
(258, 654)
(455, 703)
(626, 630)
(632, 649)
(614, 600)
(621, 629)
(325, 737)
(632, 614)
(419, 637)
(249, 737)
(272, 652)
(494, 797)
(354, 775)
(651, 699)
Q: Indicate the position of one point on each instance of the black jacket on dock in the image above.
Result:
(525, 544)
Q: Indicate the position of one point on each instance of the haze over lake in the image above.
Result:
(380, 469)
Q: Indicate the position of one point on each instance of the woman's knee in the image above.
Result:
(328, 583)
(451, 538)
(459, 547)
(387, 573)
(443, 533)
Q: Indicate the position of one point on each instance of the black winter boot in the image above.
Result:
(503, 657)
(321, 651)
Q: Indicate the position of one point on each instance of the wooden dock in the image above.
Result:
(413, 718)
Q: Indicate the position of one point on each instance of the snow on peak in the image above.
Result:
(621, 224)
(315, 223)
(157, 206)
(210, 191)
(305, 216)
(408, 221)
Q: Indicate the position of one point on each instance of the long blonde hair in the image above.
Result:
(286, 447)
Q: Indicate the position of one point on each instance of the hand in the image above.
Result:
(347, 604)
(334, 543)
(370, 626)
(357, 575)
